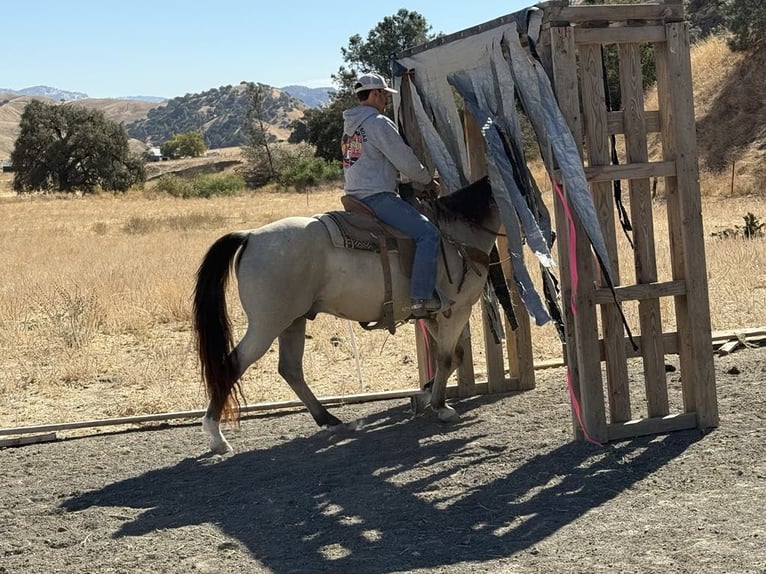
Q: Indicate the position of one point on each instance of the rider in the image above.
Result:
(373, 151)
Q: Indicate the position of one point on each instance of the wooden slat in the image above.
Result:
(690, 203)
(650, 318)
(655, 425)
(596, 173)
(641, 292)
(564, 57)
(28, 439)
(621, 34)
(620, 13)
(597, 141)
(466, 378)
(521, 368)
(423, 345)
(616, 122)
(685, 222)
(669, 344)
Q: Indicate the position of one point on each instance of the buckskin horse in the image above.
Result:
(289, 271)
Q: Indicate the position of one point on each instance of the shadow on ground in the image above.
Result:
(404, 494)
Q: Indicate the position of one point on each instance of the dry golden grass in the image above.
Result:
(95, 303)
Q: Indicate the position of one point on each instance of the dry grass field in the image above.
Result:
(95, 303)
(95, 296)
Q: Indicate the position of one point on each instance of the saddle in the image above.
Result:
(358, 228)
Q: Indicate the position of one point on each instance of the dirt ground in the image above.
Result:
(504, 490)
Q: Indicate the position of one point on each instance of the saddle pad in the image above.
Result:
(346, 231)
(352, 230)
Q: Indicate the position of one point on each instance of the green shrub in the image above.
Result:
(303, 172)
(173, 185)
(203, 185)
(210, 184)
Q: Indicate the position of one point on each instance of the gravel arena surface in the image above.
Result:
(504, 490)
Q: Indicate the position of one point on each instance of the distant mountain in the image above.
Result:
(220, 114)
(312, 97)
(47, 92)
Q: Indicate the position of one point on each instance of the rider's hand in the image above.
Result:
(431, 190)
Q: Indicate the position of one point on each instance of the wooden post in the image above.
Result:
(583, 353)
(685, 222)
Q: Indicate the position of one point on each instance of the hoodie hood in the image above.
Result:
(353, 118)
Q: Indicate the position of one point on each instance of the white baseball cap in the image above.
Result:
(372, 82)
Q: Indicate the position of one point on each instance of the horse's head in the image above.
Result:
(473, 204)
(469, 215)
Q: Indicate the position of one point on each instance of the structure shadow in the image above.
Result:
(405, 494)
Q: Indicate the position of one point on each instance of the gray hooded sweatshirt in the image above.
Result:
(373, 151)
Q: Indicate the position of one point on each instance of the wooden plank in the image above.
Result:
(423, 345)
(493, 354)
(466, 379)
(685, 219)
(641, 292)
(518, 342)
(644, 255)
(28, 439)
(621, 34)
(564, 64)
(697, 297)
(594, 112)
(654, 425)
(621, 12)
(615, 122)
(597, 173)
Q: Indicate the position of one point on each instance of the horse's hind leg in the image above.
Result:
(251, 348)
(292, 342)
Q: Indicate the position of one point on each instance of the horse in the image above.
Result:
(288, 271)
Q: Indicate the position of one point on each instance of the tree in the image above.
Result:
(257, 150)
(374, 54)
(390, 36)
(69, 148)
(191, 144)
(746, 19)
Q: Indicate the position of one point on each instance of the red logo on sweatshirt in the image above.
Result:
(351, 148)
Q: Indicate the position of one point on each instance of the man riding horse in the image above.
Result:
(373, 152)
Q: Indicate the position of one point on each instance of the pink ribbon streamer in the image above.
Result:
(574, 279)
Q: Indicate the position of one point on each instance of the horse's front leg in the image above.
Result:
(449, 352)
(446, 363)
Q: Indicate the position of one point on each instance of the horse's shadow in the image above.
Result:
(402, 495)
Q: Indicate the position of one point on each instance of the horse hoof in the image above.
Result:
(348, 427)
(448, 415)
(220, 447)
(419, 403)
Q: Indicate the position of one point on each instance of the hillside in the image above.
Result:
(220, 114)
(729, 108)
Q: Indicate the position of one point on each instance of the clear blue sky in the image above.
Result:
(169, 48)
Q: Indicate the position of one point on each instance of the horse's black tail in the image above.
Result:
(212, 327)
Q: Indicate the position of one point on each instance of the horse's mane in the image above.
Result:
(472, 202)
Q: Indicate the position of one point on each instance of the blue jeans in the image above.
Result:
(396, 212)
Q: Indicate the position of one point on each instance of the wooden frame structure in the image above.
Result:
(571, 44)
(577, 35)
